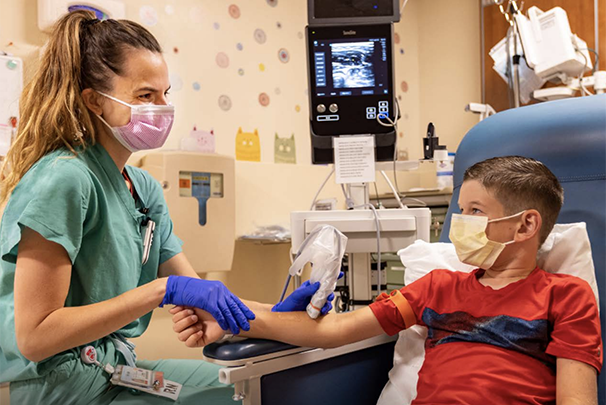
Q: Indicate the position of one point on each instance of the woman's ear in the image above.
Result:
(530, 227)
(93, 101)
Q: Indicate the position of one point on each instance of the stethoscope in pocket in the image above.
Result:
(148, 231)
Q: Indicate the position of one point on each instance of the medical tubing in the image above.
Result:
(393, 124)
(395, 193)
(374, 211)
(313, 203)
(285, 288)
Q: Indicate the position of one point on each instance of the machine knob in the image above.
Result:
(333, 108)
(321, 108)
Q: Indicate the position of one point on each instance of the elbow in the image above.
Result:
(29, 349)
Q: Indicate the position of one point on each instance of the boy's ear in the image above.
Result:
(531, 225)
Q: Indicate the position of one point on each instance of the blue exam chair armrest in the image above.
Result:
(240, 350)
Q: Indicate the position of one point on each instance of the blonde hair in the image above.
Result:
(82, 53)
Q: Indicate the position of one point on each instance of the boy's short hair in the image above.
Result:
(521, 183)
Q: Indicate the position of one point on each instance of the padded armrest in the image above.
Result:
(244, 349)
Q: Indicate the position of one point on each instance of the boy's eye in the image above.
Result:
(475, 211)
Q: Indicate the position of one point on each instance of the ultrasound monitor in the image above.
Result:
(351, 83)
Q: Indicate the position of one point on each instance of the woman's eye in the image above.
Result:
(146, 96)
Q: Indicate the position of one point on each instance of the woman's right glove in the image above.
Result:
(211, 296)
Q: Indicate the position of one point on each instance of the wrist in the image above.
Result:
(159, 287)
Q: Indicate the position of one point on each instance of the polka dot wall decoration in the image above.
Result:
(176, 83)
(217, 26)
(272, 3)
(404, 86)
(401, 51)
(298, 108)
(239, 46)
(148, 15)
(400, 97)
(196, 86)
(279, 24)
(396, 38)
(196, 15)
(241, 72)
(170, 10)
(264, 99)
(222, 60)
(260, 36)
(234, 11)
(176, 50)
(261, 67)
(225, 103)
(300, 35)
(277, 91)
(283, 55)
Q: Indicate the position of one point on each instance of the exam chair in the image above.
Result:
(569, 137)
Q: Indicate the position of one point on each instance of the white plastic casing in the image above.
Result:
(399, 227)
(49, 11)
(549, 45)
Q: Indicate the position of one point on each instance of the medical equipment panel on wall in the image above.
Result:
(199, 189)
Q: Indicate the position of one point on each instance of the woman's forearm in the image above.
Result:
(69, 327)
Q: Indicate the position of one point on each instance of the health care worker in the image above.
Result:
(77, 267)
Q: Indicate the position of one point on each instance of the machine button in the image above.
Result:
(371, 110)
(383, 104)
(333, 108)
(383, 109)
(333, 117)
(371, 116)
(321, 108)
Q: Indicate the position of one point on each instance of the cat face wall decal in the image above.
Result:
(285, 150)
(248, 146)
(199, 141)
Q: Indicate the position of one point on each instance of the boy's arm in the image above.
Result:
(297, 328)
(331, 330)
(576, 383)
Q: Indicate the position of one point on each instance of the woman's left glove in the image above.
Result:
(300, 298)
(211, 296)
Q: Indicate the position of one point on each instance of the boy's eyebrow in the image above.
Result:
(476, 203)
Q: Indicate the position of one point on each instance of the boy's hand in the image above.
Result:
(195, 327)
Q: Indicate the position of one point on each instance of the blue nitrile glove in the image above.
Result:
(211, 296)
(300, 298)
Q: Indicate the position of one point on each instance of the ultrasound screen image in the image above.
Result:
(352, 64)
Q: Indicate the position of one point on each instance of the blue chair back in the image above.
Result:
(569, 137)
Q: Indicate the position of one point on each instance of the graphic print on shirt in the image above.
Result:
(526, 337)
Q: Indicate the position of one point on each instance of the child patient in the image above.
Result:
(507, 333)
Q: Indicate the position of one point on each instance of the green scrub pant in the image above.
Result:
(75, 383)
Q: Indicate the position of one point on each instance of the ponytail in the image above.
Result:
(82, 53)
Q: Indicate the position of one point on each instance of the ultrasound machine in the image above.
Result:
(351, 82)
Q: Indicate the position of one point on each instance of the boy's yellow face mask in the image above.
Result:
(468, 235)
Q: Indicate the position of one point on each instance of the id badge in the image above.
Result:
(151, 382)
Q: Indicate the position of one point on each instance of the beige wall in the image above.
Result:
(440, 64)
(449, 56)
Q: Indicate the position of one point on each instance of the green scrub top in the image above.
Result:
(83, 204)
